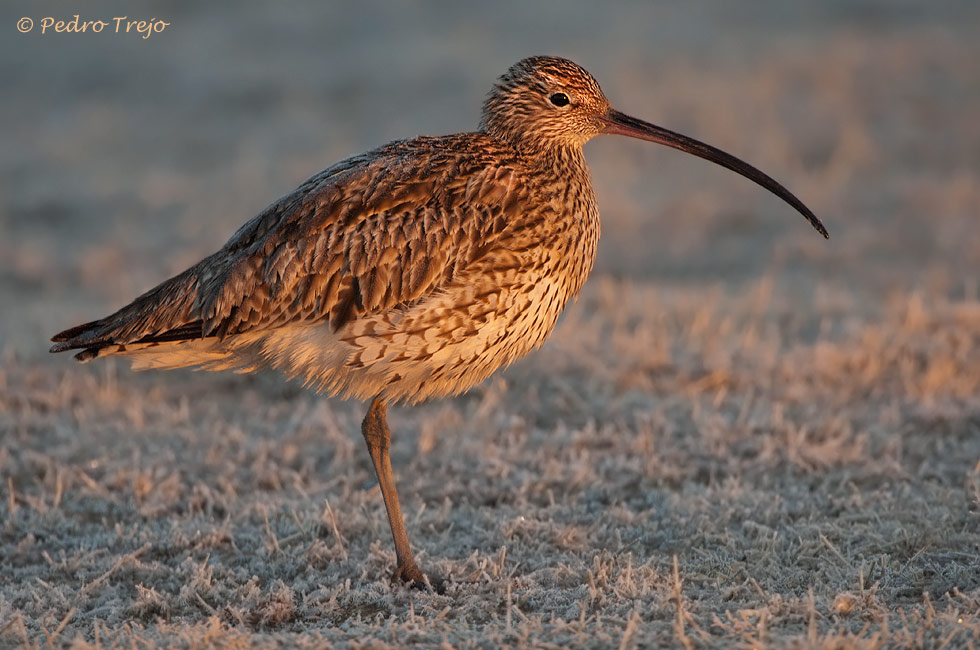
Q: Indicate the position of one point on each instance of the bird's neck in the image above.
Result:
(576, 221)
(565, 161)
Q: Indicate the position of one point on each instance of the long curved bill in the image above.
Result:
(622, 124)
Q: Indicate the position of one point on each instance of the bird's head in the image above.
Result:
(545, 103)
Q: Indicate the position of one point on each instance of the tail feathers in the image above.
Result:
(205, 354)
(82, 336)
(166, 313)
(86, 337)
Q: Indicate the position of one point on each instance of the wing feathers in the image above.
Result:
(371, 233)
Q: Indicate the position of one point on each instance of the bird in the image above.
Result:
(409, 272)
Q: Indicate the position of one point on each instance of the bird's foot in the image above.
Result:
(413, 577)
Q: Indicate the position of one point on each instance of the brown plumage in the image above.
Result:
(411, 271)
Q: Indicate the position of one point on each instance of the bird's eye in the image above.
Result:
(559, 99)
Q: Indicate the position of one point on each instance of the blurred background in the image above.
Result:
(127, 159)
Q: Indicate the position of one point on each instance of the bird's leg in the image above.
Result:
(378, 438)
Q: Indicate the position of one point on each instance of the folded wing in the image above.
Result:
(369, 234)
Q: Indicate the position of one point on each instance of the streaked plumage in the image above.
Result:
(411, 271)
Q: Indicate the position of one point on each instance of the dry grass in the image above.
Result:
(740, 436)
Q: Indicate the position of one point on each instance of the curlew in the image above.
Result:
(412, 271)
